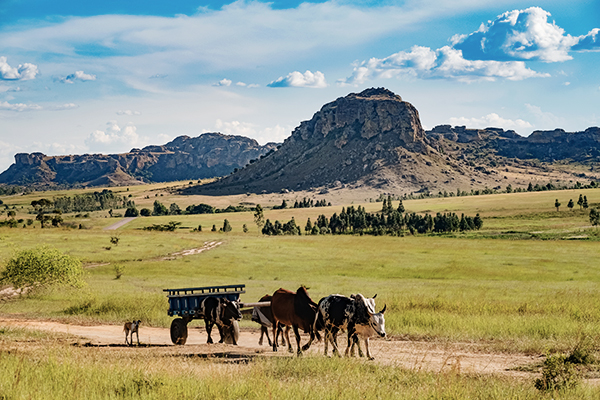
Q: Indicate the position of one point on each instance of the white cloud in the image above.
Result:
(113, 136)
(164, 138)
(446, 62)
(497, 49)
(23, 72)
(591, 41)
(67, 106)
(223, 82)
(4, 88)
(491, 120)
(517, 35)
(269, 134)
(19, 107)
(128, 112)
(78, 76)
(298, 79)
(544, 119)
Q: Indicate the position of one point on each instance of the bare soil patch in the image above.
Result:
(427, 356)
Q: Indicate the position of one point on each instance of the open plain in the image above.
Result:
(470, 315)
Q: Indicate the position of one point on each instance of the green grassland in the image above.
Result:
(58, 370)
(518, 285)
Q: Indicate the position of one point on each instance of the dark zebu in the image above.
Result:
(296, 310)
(264, 317)
(356, 314)
(221, 312)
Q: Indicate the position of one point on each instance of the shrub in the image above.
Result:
(145, 212)
(42, 266)
(557, 373)
(119, 269)
(132, 212)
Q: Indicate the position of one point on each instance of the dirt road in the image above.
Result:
(460, 357)
(119, 224)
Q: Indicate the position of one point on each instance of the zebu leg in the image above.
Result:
(333, 337)
(287, 335)
(275, 325)
(369, 356)
(297, 334)
(209, 326)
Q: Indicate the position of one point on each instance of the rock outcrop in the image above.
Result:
(206, 156)
(372, 137)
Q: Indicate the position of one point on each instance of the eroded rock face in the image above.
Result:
(206, 156)
(346, 140)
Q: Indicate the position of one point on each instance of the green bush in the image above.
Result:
(557, 373)
(42, 266)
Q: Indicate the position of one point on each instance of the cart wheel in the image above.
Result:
(179, 331)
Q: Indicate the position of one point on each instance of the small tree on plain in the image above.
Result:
(259, 217)
(159, 208)
(556, 204)
(580, 201)
(226, 226)
(585, 203)
(308, 227)
(145, 212)
(571, 204)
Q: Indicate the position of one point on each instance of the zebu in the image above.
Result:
(296, 310)
(355, 314)
(221, 312)
(264, 317)
(365, 323)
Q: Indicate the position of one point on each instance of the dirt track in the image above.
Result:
(460, 357)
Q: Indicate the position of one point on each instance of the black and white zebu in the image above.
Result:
(224, 313)
(356, 314)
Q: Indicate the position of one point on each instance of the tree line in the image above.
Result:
(389, 221)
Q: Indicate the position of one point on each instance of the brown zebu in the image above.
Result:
(296, 310)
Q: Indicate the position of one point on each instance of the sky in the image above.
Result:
(109, 76)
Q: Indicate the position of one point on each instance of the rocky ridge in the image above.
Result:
(206, 156)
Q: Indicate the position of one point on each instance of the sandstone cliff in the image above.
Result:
(206, 156)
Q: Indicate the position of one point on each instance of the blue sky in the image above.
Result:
(109, 76)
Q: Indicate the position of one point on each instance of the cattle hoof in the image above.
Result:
(209, 341)
(305, 347)
(371, 358)
(260, 342)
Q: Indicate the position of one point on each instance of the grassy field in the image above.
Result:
(518, 285)
(56, 369)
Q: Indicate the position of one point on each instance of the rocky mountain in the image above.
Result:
(375, 139)
(206, 156)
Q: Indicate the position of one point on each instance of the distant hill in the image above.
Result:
(206, 156)
(372, 139)
(375, 139)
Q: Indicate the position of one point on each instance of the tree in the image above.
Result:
(11, 214)
(226, 226)
(571, 204)
(159, 208)
(145, 212)
(42, 266)
(259, 217)
(308, 227)
(585, 203)
(401, 207)
(556, 204)
(580, 201)
(478, 222)
(174, 209)
(595, 217)
(132, 212)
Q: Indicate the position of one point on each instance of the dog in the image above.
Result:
(131, 328)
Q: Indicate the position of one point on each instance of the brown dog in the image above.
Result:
(131, 328)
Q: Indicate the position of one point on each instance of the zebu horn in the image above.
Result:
(375, 295)
(384, 307)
